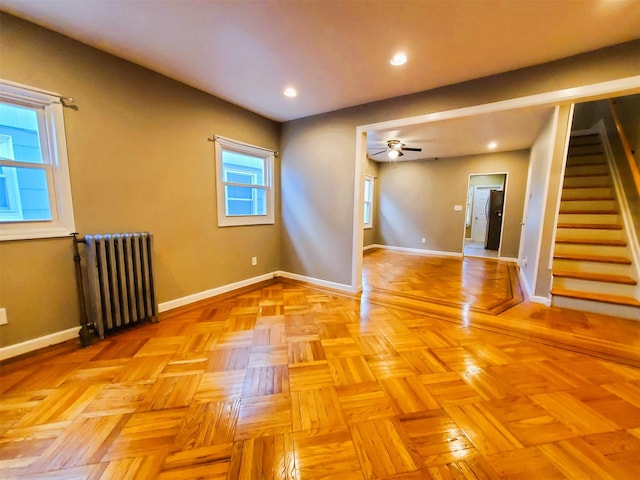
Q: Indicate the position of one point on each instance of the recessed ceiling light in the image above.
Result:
(290, 92)
(492, 145)
(398, 59)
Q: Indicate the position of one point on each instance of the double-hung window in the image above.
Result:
(368, 201)
(35, 192)
(245, 184)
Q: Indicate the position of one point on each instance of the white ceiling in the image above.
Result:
(336, 53)
(511, 130)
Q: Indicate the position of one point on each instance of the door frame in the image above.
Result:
(487, 188)
(504, 188)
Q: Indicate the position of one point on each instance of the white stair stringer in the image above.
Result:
(603, 308)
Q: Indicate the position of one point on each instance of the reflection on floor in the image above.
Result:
(471, 283)
(290, 381)
(476, 249)
(486, 294)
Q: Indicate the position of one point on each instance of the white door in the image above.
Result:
(479, 213)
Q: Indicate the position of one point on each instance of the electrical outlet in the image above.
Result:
(423, 240)
(254, 261)
(3, 316)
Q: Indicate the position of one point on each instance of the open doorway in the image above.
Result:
(484, 214)
(537, 103)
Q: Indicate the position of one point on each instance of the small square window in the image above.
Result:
(245, 184)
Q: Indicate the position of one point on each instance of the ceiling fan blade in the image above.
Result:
(400, 153)
(378, 153)
(408, 149)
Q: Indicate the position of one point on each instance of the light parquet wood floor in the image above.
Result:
(485, 293)
(290, 382)
(481, 285)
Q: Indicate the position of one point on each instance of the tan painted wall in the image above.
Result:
(533, 218)
(139, 160)
(319, 152)
(318, 181)
(554, 191)
(416, 202)
(628, 109)
(587, 114)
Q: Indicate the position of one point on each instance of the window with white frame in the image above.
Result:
(368, 201)
(35, 191)
(245, 183)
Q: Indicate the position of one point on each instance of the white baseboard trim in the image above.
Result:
(508, 259)
(316, 281)
(532, 298)
(59, 337)
(419, 251)
(40, 342)
(543, 300)
(524, 283)
(180, 302)
(369, 247)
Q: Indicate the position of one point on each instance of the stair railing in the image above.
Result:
(628, 198)
(633, 166)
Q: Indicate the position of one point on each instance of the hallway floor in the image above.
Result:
(476, 249)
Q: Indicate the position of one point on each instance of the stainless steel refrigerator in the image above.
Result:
(495, 204)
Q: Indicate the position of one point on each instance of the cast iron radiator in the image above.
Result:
(116, 285)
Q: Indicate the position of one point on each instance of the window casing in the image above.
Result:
(368, 201)
(35, 191)
(244, 184)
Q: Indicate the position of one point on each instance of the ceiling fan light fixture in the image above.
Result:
(395, 148)
(398, 59)
(394, 144)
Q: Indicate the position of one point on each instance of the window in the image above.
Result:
(245, 184)
(469, 203)
(35, 192)
(368, 201)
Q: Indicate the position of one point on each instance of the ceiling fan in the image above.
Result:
(395, 148)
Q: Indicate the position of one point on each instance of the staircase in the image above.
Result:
(592, 264)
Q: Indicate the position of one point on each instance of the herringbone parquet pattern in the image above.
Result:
(291, 382)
